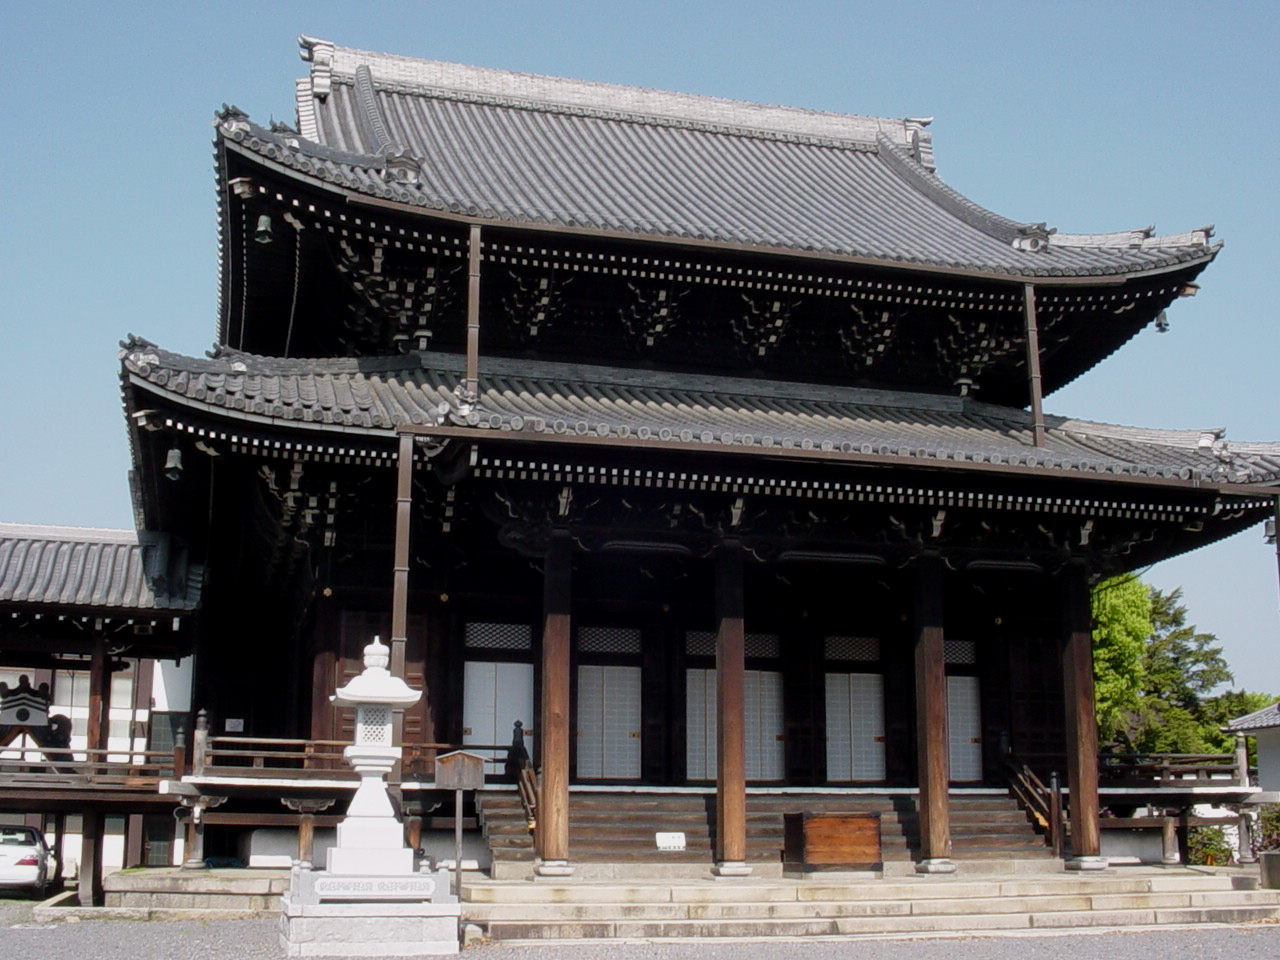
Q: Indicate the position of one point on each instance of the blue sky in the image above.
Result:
(1092, 116)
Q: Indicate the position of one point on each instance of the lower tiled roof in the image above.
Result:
(89, 568)
(1264, 719)
(371, 396)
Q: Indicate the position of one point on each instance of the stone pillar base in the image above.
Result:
(936, 865)
(1087, 863)
(553, 868)
(731, 868)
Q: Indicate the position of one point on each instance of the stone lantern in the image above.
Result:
(370, 838)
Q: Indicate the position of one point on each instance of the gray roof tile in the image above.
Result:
(87, 568)
(556, 398)
(1265, 719)
(543, 150)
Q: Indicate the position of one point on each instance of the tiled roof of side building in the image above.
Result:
(369, 396)
(89, 568)
(1265, 719)
(525, 149)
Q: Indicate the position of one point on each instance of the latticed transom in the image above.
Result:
(608, 640)
(961, 651)
(852, 648)
(700, 643)
(373, 724)
(500, 636)
(763, 645)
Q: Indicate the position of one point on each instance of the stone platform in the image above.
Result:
(376, 916)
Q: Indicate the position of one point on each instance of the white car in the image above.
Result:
(25, 859)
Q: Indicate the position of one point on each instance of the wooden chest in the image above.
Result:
(831, 841)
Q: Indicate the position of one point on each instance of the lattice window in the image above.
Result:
(500, 636)
(852, 648)
(763, 645)
(373, 725)
(608, 640)
(961, 651)
(700, 643)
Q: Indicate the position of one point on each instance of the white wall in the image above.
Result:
(171, 685)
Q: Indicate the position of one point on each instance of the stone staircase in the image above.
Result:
(619, 828)
(834, 907)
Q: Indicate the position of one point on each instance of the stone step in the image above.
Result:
(865, 925)
(1217, 888)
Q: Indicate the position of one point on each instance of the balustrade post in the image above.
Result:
(200, 744)
(1055, 814)
(1242, 760)
(179, 754)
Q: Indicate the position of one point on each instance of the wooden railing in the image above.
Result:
(280, 757)
(86, 769)
(1043, 802)
(1174, 769)
(519, 765)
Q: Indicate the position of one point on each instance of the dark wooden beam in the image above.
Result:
(731, 757)
(553, 737)
(933, 765)
(1081, 726)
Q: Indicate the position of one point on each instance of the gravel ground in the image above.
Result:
(23, 939)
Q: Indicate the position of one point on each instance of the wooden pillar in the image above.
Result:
(99, 698)
(1081, 725)
(731, 750)
(307, 808)
(553, 803)
(90, 888)
(194, 859)
(306, 838)
(134, 837)
(933, 762)
(59, 835)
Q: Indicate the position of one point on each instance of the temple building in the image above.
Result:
(705, 439)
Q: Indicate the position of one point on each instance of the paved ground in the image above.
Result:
(20, 937)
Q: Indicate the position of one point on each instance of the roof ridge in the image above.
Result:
(40, 531)
(563, 94)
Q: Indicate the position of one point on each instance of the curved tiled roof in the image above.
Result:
(525, 149)
(371, 396)
(85, 567)
(1268, 718)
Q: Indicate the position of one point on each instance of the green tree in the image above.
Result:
(1122, 624)
(1182, 666)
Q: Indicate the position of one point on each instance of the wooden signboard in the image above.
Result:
(460, 771)
(832, 841)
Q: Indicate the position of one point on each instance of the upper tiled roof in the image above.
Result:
(1264, 719)
(371, 395)
(88, 568)
(526, 149)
